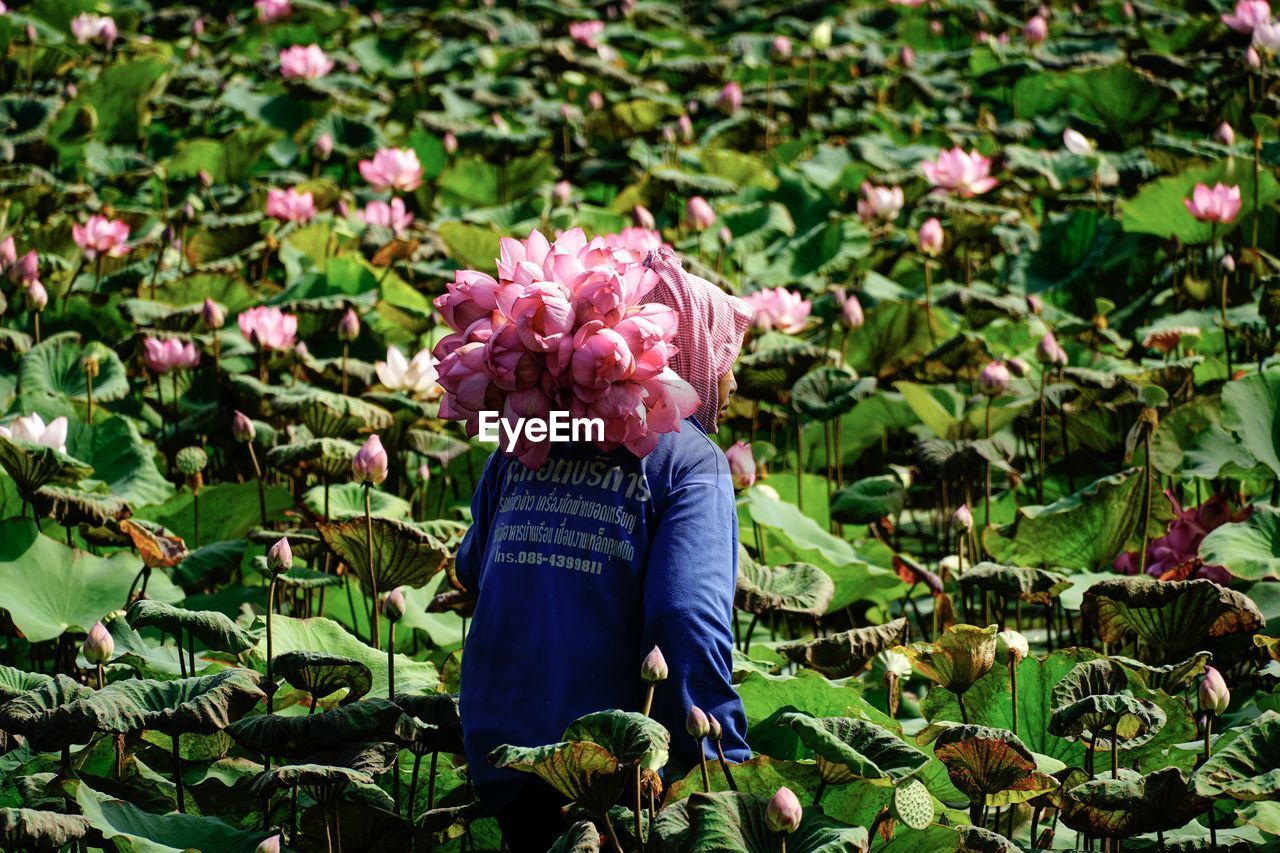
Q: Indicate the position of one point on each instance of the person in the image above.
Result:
(580, 567)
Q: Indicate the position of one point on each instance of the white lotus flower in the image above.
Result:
(416, 377)
(32, 428)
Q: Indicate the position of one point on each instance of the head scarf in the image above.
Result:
(709, 333)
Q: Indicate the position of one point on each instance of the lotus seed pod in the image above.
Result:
(280, 556)
(654, 668)
(1012, 643)
(190, 461)
(784, 812)
(696, 723)
(99, 645)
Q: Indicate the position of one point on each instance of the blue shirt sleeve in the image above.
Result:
(470, 555)
(688, 605)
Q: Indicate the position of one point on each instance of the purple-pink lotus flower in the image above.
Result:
(392, 216)
(1247, 15)
(880, 202)
(268, 327)
(1176, 555)
(101, 236)
(273, 10)
(304, 62)
(393, 169)
(290, 205)
(965, 173)
(742, 465)
(1219, 203)
(586, 33)
(779, 309)
(165, 354)
(99, 29)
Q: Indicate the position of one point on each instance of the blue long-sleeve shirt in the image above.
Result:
(579, 569)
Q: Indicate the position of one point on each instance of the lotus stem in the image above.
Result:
(391, 694)
(648, 698)
(1146, 500)
(346, 348)
(97, 273)
(986, 519)
(271, 597)
(1044, 375)
(702, 759)
(337, 825)
(1115, 754)
(928, 302)
(413, 786)
(373, 572)
(751, 627)
(1013, 684)
(964, 714)
(293, 815)
(613, 836)
(799, 468)
(431, 780)
(782, 842)
(257, 475)
(191, 653)
(639, 826)
(822, 789)
(102, 681)
(1213, 825)
(177, 774)
(881, 816)
(724, 765)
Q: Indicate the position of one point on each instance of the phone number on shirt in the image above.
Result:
(559, 561)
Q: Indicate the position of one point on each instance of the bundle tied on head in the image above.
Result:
(709, 331)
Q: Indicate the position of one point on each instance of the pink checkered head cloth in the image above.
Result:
(709, 333)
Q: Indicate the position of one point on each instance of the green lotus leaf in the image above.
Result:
(848, 652)
(1132, 804)
(848, 748)
(70, 506)
(954, 459)
(1169, 618)
(829, 392)
(51, 716)
(29, 829)
(775, 365)
(201, 705)
(325, 413)
(129, 827)
(322, 675)
(734, 822)
(323, 783)
(790, 588)
(210, 627)
(347, 501)
(1249, 411)
(912, 804)
(299, 737)
(978, 839)
(1100, 718)
(327, 458)
(34, 465)
(628, 736)
(869, 500)
(26, 119)
(1249, 549)
(1248, 768)
(582, 837)
(1095, 677)
(1084, 530)
(362, 825)
(984, 763)
(1034, 586)
(15, 682)
(440, 447)
(1271, 645)
(585, 772)
(403, 555)
(298, 577)
(438, 713)
(957, 658)
(54, 370)
(1172, 678)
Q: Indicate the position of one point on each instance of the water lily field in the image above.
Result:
(1005, 442)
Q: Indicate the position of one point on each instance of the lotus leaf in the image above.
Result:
(1034, 586)
(960, 656)
(1131, 804)
(790, 588)
(1248, 768)
(298, 737)
(848, 652)
(849, 748)
(403, 555)
(735, 821)
(28, 829)
(211, 628)
(990, 765)
(322, 675)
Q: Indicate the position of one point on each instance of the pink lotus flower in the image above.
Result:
(730, 100)
(273, 10)
(87, 27)
(1219, 203)
(32, 428)
(393, 169)
(1176, 555)
(1213, 695)
(784, 812)
(779, 309)
(25, 269)
(931, 237)
(699, 213)
(1266, 35)
(965, 173)
(742, 465)
(1247, 15)
(268, 327)
(304, 63)
(393, 216)
(101, 236)
(370, 463)
(290, 205)
(165, 354)
(586, 33)
(880, 202)
(1036, 30)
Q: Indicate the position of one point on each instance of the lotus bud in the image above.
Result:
(1049, 351)
(324, 146)
(349, 326)
(197, 27)
(8, 252)
(962, 519)
(1019, 367)
(935, 27)
(643, 218)
(742, 465)
(31, 33)
(715, 730)
(561, 193)
(393, 605)
(242, 429)
(784, 812)
(370, 462)
(931, 237)
(99, 645)
(269, 845)
(780, 49)
(1076, 142)
(1227, 263)
(1225, 134)
(214, 315)
(25, 269)
(1036, 30)
(1251, 57)
(654, 668)
(280, 556)
(684, 124)
(820, 37)
(595, 100)
(907, 57)
(91, 367)
(994, 378)
(1214, 695)
(730, 100)
(37, 296)
(206, 179)
(1012, 643)
(669, 135)
(1034, 304)
(851, 312)
(450, 143)
(696, 723)
(699, 213)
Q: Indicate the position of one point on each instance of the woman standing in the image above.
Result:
(583, 565)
